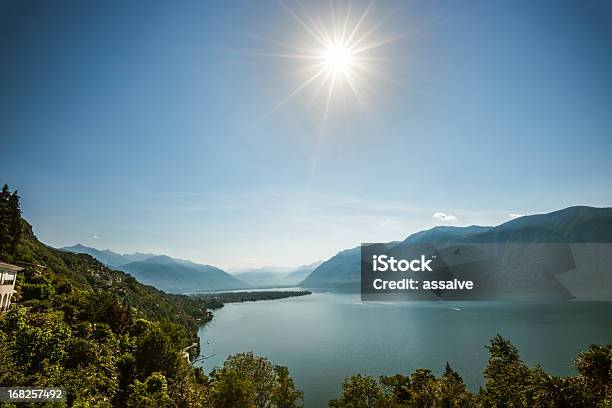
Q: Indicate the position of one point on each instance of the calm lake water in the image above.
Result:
(325, 337)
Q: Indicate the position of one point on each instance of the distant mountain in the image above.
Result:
(178, 276)
(578, 224)
(571, 225)
(163, 272)
(443, 234)
(107, 257)
(260, 279)
(138, 256)
(301, 272)
(341, 270)
(271, 276)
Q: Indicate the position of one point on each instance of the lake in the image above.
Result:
(325, 337)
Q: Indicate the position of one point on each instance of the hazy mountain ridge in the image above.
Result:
(269, 276)
(176, 276)
(441, 234)
(106, 256)
(580, 224)
(341, 269)
(165, 273)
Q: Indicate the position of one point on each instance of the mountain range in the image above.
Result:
(108, 257)
(163, 272)
(572, 226)
(179, 276)
(586, 274)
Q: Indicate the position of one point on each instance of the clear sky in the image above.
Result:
(156, 126)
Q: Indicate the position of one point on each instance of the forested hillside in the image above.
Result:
(108, 339)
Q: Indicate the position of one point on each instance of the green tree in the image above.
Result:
(152, 393)
(156, 351)
(259, 371)
(507, 378)
(284, 394)
(14, 222)
(5, 220)
(37, 288)
(595, 366)
(451, 391)
(38, 340)
(559, 392)
(265, 385)
(191, 389)
(397, 387)
(11, 373)
(231, 389)
(5, 193)
(360, 391)
(422, 388)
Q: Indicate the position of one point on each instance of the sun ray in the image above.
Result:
(286, 55)
(296, 91)
(376, 72)
(317, 25)
(354, 87)
(347, 16)
(290, 47)
(366, 34)
(318, 90)
(304, 25)
(361, 20)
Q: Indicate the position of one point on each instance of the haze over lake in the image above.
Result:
(325, 337)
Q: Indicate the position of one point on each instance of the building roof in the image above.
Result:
(10, 268)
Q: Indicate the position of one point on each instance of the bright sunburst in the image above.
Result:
(339, 55)
(338, 59)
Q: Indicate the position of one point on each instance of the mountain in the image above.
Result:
(571, 226)
(94, 330)
(341, 270)
(107, 257)
(163, 272)
(83, 275)
(260, 278)
(137, 256)
(300, 273)
(578, 224)
(178, 276)
(443, 234)
(274, 276)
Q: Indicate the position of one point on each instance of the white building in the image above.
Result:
(8, 275)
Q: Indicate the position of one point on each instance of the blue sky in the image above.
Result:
(147, 127)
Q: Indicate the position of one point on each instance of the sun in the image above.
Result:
(338, 59)
(339, 56)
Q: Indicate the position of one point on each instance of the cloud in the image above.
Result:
(444, 217)
(95, 237)
(514, 215)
